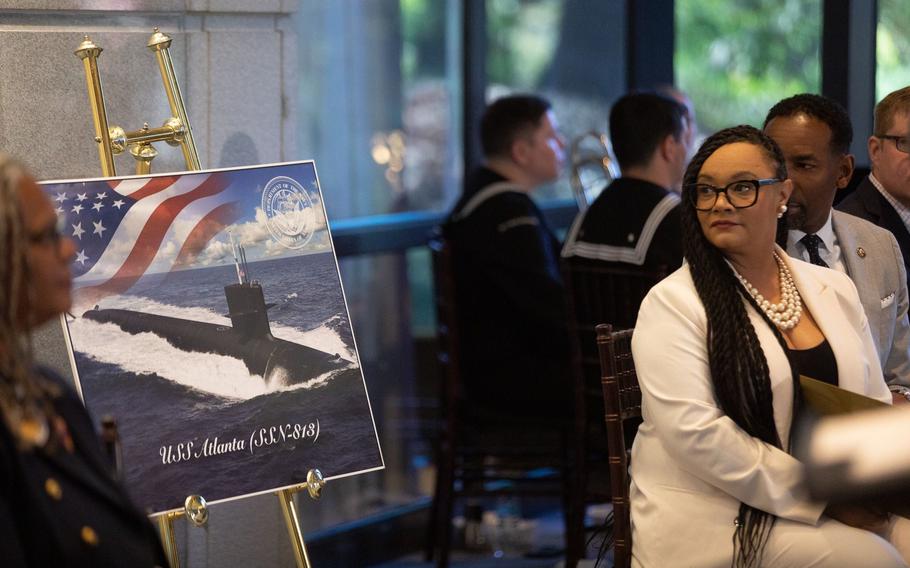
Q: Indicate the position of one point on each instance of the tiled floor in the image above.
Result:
(460, 560)
(548, 538)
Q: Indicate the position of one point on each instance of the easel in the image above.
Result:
(196, 511)
(176, 131)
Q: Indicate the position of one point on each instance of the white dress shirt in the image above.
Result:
(828, 250)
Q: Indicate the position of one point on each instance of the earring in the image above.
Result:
(781, 210)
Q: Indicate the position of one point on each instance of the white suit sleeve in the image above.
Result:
(671, 358)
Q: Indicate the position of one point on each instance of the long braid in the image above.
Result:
(22, 396)
(739, 370)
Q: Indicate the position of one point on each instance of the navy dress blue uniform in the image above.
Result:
(509, 296)
(632, 222)
(64, 509)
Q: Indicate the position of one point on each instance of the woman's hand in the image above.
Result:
(860, 517)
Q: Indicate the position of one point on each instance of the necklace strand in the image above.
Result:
(786, 313)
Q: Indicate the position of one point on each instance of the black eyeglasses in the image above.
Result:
(902, 143)
(51, 235)
(740, 193)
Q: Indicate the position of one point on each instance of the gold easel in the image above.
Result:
(196, 511)
(113, 140)
(314, 484)
(176, 131)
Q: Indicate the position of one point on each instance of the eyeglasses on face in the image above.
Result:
(50, 235)
(740, 193)
(902, 143)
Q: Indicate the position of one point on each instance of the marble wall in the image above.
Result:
(237, 68)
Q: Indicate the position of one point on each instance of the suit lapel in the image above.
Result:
(883, 214)
(871, 200)
(846, 239)
(892, 221)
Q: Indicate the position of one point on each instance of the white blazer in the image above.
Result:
(691, 464)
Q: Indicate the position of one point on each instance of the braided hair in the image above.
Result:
(739, 370)
(23, 400)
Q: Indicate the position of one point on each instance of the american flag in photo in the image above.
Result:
(125, 229)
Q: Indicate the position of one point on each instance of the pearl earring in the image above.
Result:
(781, 210)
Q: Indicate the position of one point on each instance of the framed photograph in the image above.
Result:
(209, 322)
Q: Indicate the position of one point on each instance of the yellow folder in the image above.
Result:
(829, 400)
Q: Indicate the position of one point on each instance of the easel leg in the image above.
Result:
(168, 541)
(292, 522)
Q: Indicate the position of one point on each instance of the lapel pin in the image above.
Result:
(861, 252)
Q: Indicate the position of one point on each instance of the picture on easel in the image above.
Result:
(210, 323)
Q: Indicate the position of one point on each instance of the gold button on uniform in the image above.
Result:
(53, 489)
(89, 536)
(861, 252)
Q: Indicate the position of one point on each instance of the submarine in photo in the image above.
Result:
(248, 338)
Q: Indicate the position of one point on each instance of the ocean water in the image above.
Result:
(171, 405)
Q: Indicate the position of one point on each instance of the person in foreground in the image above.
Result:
(59, 502)
(718, 348)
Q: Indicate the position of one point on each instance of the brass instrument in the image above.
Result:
(114, 140)
(593, 168)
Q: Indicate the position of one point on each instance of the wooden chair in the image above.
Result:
(622, 400)
(596, 292)
(480, 453)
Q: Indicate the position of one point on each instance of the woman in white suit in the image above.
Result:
(718, 347)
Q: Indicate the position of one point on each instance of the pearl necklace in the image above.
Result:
(787, 312)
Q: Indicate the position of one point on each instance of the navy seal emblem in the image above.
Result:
(289, 212)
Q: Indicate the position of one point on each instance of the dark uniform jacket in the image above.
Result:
(633, 222)
(509, 297)
(65, 509)
(868, 203)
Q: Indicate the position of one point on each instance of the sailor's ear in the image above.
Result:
(520, 150)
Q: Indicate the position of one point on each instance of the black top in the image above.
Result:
(509, 296)
(816, 362)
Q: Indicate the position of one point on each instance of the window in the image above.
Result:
(379, 109)
(736, 58)
(379, 103)
(892, 46)
(571, 52)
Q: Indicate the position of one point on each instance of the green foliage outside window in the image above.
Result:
(892, 47)
(521, 39)
(736, 58)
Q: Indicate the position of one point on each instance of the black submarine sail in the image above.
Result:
(248, 338)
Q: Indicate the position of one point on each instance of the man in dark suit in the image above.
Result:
(635, 220)
(509, 295)
(884, 196)
(814, 133)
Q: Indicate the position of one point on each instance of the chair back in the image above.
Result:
(482, 452)
(446, 322)
(601, 292)
(622, 400)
